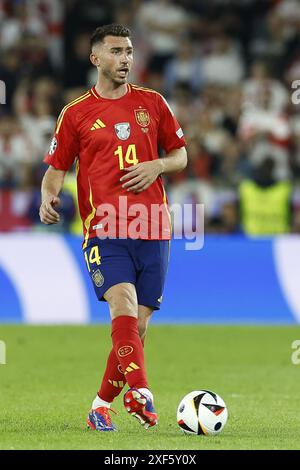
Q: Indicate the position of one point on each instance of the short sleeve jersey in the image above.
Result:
(104, 136)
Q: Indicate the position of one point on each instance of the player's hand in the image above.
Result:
(47, 213)
(140, 176)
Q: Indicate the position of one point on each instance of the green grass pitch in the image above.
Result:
(52, 375)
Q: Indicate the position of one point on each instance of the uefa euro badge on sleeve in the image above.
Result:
(53, 146)
(98, 278)
(122, 130)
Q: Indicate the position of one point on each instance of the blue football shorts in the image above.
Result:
(143, 263)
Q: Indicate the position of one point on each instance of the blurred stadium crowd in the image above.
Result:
(225, 66)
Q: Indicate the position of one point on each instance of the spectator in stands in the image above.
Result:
(265, 204)
(262, 91)
(16, 151)
(223, 65)
(163, 22)
(184, 68)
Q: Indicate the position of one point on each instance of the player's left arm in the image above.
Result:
(171, 139)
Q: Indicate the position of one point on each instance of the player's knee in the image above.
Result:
(122, 301)
(123, 305)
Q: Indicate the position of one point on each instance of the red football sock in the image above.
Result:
(113, 380)
(129, 350)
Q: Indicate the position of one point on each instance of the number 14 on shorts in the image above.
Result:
(92, 257)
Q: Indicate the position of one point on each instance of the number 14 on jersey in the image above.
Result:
(130, 155)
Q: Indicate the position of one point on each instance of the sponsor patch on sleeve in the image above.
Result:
(179, 133)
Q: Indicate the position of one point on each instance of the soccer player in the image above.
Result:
(113, 132)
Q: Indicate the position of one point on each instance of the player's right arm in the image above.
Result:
(51, 186)
(63, 150)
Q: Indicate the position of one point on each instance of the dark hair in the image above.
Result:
(109, 30)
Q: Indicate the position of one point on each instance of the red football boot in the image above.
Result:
(100, 419)
(141, 407)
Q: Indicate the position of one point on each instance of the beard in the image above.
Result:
(113, 76)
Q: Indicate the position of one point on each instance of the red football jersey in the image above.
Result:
(105, 136)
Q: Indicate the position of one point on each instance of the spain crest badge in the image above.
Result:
(142, 117)
(98, 278)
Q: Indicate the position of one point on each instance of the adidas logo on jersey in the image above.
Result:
(98, 125)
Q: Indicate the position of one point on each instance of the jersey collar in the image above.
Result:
(98, 97)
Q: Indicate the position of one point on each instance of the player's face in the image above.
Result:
(114, 57)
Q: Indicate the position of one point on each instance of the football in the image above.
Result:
(202, 412)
